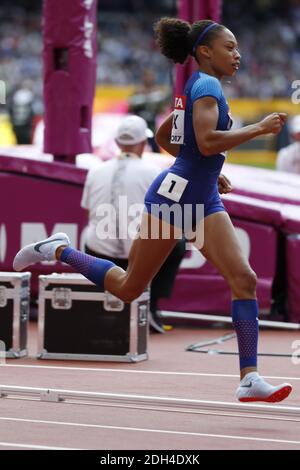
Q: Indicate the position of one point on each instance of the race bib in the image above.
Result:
(177, 136)
(172, 187)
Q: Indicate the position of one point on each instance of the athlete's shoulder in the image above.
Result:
(206, 85)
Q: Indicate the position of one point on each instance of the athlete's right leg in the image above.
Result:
(146, 257)
(223, 250)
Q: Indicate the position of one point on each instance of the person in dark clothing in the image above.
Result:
(21, 114)
(148, 101)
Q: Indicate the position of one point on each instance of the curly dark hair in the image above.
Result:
(176, 38)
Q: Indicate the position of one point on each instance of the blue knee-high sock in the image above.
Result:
(92, 268)
(245, 321)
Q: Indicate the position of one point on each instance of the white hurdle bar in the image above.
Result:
(279, 412)
(223, 319)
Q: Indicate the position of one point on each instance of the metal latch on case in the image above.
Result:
(112, 303)
(3, 298)
(61, 298)
(143, 315)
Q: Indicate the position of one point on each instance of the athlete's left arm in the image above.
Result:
(163, 137)
(211, 141)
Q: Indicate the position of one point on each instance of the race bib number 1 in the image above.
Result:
(177, 136)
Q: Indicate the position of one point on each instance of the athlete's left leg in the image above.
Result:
(222, 248)
(149, 251)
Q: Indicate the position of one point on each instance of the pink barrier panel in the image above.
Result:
(268, 185)
(208, 294)
(250, 208)
(200, 288)
(69, 75)
(293, 277)
(275, 194)
(191, 11)
(259, 243)
(38, 199)
(291, 216)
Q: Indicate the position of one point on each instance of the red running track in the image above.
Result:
(170, 372)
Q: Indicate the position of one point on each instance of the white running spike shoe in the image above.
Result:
(253, 388)
(40, 251)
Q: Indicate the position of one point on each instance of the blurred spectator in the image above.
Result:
(148, 101)
(288, 158)
(21, 113)
(269, 40)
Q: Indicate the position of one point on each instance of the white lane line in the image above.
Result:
(33, 446)
(146, 430)
(127, 371)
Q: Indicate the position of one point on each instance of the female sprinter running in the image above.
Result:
(201, 125)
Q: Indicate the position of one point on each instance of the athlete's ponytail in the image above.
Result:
(172, 37)
(177, 39)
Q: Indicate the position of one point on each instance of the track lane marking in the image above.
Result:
(34, 446)
(94, 369)
(146, 430)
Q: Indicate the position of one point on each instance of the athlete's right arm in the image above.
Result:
(211, 141)
(163, 137)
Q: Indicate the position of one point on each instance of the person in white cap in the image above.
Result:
(127, 176)
(288, 158)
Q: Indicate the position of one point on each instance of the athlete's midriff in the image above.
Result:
(202, 173)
